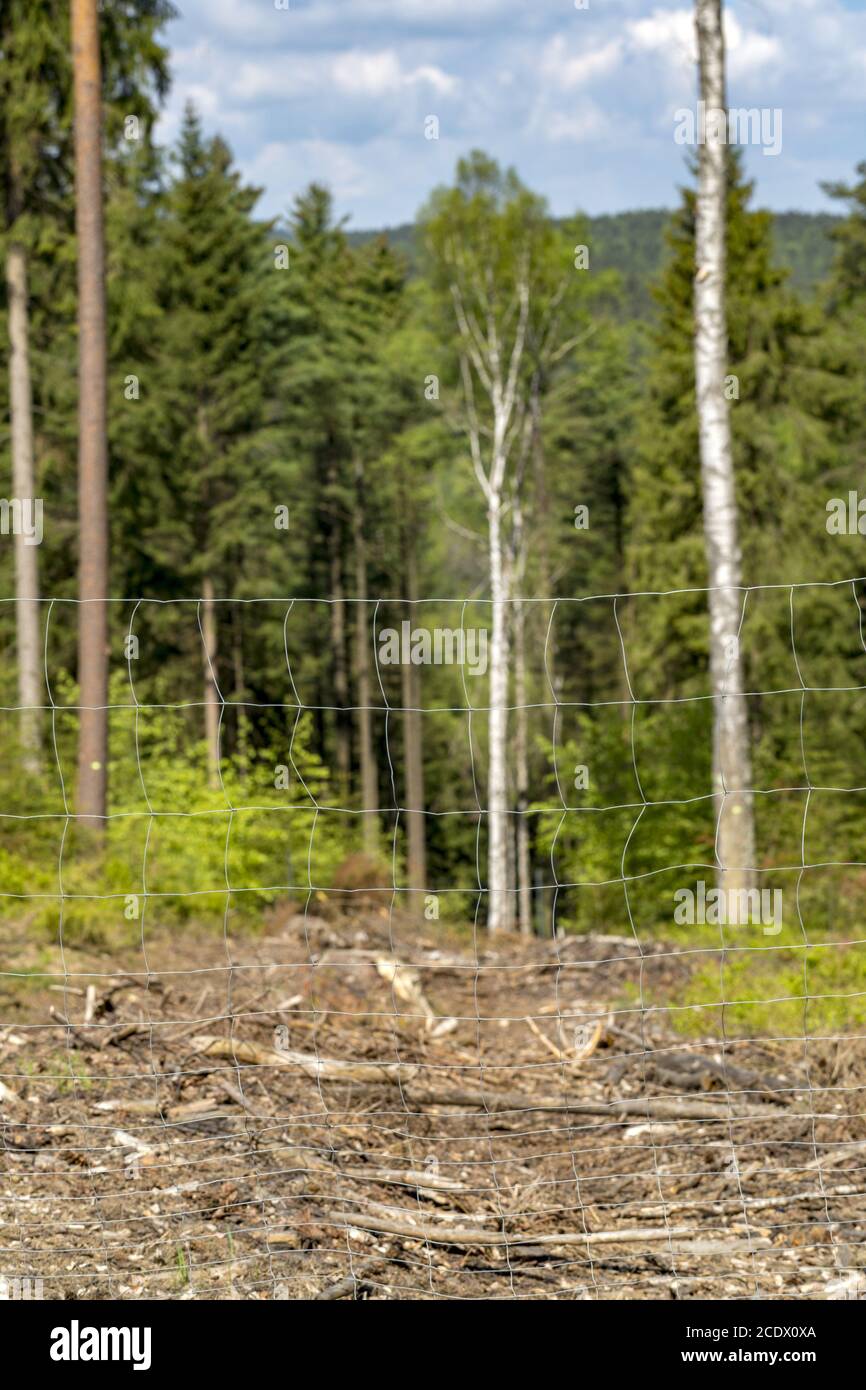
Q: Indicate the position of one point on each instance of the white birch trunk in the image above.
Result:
(24, 488)
(735, 841)
(498, 907)
(521, 756)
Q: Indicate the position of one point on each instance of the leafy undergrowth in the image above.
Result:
(789, 989)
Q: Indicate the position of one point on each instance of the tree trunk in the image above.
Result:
(369, 775)
(341, 680)
(735, 840)
(27, 622)
(92, 442)
(412, 735)
(521, 767)
(212, 699)
(499, 907)
(242, 723)
(542, 527)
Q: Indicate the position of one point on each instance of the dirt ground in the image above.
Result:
(372, 1108)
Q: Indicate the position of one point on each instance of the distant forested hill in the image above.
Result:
(633, 243)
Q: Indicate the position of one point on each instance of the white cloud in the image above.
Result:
(292, 164)
(267, 78)
(568, 70)
(670, 35)
(440, 81)
(375, 74)
(750, 53)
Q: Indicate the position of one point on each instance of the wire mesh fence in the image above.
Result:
(244, 1056)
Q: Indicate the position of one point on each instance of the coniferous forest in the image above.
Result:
(394, 599)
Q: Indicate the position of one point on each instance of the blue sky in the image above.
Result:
(582, 101)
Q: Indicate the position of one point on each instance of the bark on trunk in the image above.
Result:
(27, 618)
(369, 775)
(413, 751)
(543, 526)
(521, 768)
(499, 907)
(735, 842)
(212, 700)
(92, 442)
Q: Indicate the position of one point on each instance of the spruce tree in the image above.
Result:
(209, 392)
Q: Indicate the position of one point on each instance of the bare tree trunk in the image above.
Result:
(521, 768)
(27, 623)
(731, 757)
(499, 908)
(369, 775)
(412, 735)
(543, 529)
(341, 679)
(212, 700)
(92, 441)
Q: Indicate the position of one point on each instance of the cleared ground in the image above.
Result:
(375, 1108)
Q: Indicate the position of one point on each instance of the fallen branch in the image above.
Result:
(647, 1108)
(728, 1206)
(319, 1068)
(430, 1231)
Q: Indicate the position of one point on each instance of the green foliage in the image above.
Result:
(174, 851)
(634, 245)
(242, 383)
(791, 990)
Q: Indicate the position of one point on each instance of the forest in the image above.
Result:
(299, 418)
(432, 852)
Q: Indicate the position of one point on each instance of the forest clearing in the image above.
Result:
(433, 680)
(354, 1107)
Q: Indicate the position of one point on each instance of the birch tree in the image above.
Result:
(484, 235)
(735, 837)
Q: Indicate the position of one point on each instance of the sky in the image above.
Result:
(581, 101)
